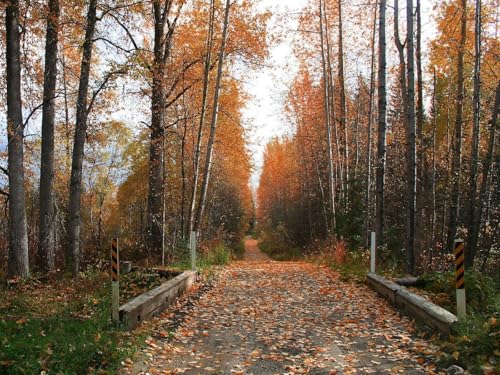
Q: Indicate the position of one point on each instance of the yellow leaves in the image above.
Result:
(455, 355)
(21, 321)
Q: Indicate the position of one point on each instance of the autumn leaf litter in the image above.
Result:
(265, 317)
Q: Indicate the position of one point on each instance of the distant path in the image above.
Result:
(252, 251)
(264, 317)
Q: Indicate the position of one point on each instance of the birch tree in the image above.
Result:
(331, 186)
(18, 262)
(473, 225)
(47, 220)
(382, 124)
(213, 123)
(457, 138)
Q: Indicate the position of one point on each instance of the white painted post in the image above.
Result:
(192, 246)
(115, 282)
(373, 249)
(460, 277)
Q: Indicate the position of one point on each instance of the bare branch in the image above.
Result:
(102, 86)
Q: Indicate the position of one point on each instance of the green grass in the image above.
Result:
(355, 272)
(280, 251)
(477, 338)
(79, 340)
(218, 256)
(63, 326)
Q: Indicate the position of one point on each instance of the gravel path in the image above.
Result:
(266, 317)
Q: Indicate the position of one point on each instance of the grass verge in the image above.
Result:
(280, 251)
(60, 328)
(476, 340)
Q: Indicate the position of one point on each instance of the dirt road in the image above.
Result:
(265, 317)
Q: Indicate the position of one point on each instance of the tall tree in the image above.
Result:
(82, 110)
(382, 124)
(473, 225)
(411, 141)
(47, 220)
(343, 109)
(18, 262)
(457, 139)
(163, 37)
(204, 99)
(407, 83)
(213, 123)
(489, 163)
(331, 185)
(368, 217)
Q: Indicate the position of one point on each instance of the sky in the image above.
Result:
(267, 87)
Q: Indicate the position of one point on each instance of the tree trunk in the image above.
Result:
(422, 161)
(331, 186)
(487, 170)
(18, 262)
(420, 85)
(213, 124)
(356, 137)
(402, 62)
(433, 182)
(412, 143)
(338, 173)
(206, 79)
(46, 246)
(74, 222)
(343, 122)
(473, 232)
(457, 141)
(382, 125)
(163, 35)
(369, 134)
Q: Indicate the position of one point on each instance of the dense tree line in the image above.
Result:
(389, 140)
(122, 118)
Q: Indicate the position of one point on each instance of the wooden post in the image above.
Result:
(115, 283)
(460, 278)
(373, 249)
(192, 246)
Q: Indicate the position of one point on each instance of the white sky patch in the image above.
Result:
(268, 86)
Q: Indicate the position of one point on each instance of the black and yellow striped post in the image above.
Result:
(115, 282)
(460, 277)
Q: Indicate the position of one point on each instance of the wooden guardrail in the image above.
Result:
(154, 301)
(412, 304)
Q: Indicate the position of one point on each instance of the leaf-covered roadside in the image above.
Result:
(267, 317)
(475, 342)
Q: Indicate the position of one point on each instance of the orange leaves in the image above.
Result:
(293, 317)
(279, 185)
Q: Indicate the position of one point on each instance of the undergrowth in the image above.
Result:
(280, 251)
(77, 339)
(63, 326)
(476, 340)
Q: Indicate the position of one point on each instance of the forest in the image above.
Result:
(122, 119)
(390, 135)
(130, 136)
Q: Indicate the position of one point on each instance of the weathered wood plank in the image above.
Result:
(154, 301)
(412, 304)
(425, 311)
(410, 281)
(383, 287)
